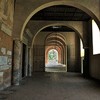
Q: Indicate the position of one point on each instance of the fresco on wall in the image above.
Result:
(3, 60)
(6, 15)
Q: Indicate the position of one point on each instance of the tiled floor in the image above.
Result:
(56, 86)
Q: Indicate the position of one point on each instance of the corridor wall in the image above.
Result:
(6, 28)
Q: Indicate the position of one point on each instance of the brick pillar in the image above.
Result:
(17, 62)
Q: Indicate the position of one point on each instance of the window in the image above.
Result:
(95, 38)
(81, 48)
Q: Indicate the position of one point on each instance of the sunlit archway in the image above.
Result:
(52, 57)
(55, 53)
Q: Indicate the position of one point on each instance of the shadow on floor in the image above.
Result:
(56, 86)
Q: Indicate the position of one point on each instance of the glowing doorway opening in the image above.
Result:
(53, 57)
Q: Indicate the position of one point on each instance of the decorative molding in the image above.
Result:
(6, 29)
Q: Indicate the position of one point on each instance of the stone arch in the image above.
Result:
(64, 2)
(76, 31)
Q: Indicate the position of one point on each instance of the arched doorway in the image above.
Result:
(55, 53)
(52, 57)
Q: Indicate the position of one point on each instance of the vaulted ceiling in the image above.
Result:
(61, 13)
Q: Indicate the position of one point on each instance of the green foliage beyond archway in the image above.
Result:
(53, 55)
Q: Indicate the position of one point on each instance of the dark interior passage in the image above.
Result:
(23, 60)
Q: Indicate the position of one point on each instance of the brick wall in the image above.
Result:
(6, 53)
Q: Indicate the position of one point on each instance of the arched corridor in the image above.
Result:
(50, 45)
(55, 53)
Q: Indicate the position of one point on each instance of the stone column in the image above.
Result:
(17, 62)
(30, 61)
(26, 61)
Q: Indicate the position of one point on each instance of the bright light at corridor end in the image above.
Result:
(95, 38)
(82, 50)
